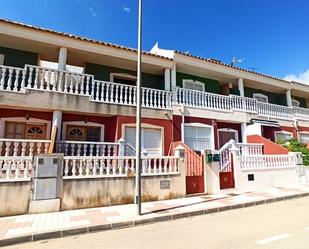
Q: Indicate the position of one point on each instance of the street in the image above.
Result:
(283, 225)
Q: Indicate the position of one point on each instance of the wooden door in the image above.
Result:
(35, 131)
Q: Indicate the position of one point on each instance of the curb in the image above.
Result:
(126, 224)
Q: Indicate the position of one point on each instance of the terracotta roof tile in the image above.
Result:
(79, 38)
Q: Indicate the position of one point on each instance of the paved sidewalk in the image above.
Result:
(16, 229)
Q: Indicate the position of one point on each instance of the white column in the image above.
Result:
(244, 132)
(241, 87)
(167, 79)
(62, 59)
(57, 120)
(288, 98)
(173, 81)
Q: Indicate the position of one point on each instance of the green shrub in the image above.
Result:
(296, 146)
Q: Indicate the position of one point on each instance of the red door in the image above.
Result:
(194, 172)
(227, 175)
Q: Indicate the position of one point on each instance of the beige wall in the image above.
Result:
(14, 198)
(85, 193)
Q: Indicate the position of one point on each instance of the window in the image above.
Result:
(193, 85)
(1, 59)
(199, 137)
(283, 136)
(226, 134)
(260, 97)
(20, 130)
(83, 133)
(151, 139)
(295, 103)
(123, 78)
(14, 130)
(304, 137)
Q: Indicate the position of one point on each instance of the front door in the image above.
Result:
(227, 135)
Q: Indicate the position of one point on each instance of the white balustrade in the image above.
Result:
(275, 111)
(12, 78)
(47, 79)
(22, 147)
(202, 99)
(81, 148)
(250, 148)
(124, 166)
(15, 168)
(301, 113)
(250, 162)
(108, 92)
(245, 149)
(243, 104)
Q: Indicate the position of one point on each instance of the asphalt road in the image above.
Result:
(279, 225)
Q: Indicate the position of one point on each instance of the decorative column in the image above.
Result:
(173, 81)
(244, 132)
(57, 120)
(167, 79)
(241, 87)
(62, 59)
(288, 98)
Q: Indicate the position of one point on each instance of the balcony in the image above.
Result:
(50, 80)
(231, 103)
(42, 79)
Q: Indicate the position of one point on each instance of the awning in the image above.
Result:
(269, 123)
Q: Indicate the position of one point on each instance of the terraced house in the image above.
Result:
(75, 96)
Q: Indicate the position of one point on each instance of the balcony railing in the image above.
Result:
(81, 148)
(107, 92)
(44, 79)
(22, 147)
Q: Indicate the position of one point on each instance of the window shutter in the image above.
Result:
(198, 138)
(152, 141)
(130, 136)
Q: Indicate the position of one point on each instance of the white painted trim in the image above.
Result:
(229, 130)
(282, 132)
(24, 120)
(261, 96)
(144, 125)
(82, 123)
(204, 126)
(1, 59)
(122, 75)
(194, 82)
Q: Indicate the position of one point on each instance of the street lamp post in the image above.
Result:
(138, 199)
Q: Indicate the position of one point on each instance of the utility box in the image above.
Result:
(46, 183)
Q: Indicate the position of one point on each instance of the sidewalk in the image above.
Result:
(22, 228)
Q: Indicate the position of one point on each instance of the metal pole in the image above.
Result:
(138, 115)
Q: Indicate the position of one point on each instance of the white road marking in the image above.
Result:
(273, 238)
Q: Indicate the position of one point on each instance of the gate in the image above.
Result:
(226, 173)
(194, 168)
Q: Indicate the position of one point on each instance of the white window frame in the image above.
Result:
(229, 130)
(143, 125)
(212, 138)
(81, 123)
(260, 95)
(295, 101)
(2, 59)
(188, 81)
(282, 132)
(303, 133)
(123, 76)
(25, 120)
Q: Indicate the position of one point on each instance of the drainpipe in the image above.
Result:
(182, 123)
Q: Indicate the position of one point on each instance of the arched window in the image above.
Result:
(34, 131)
(76, 133)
